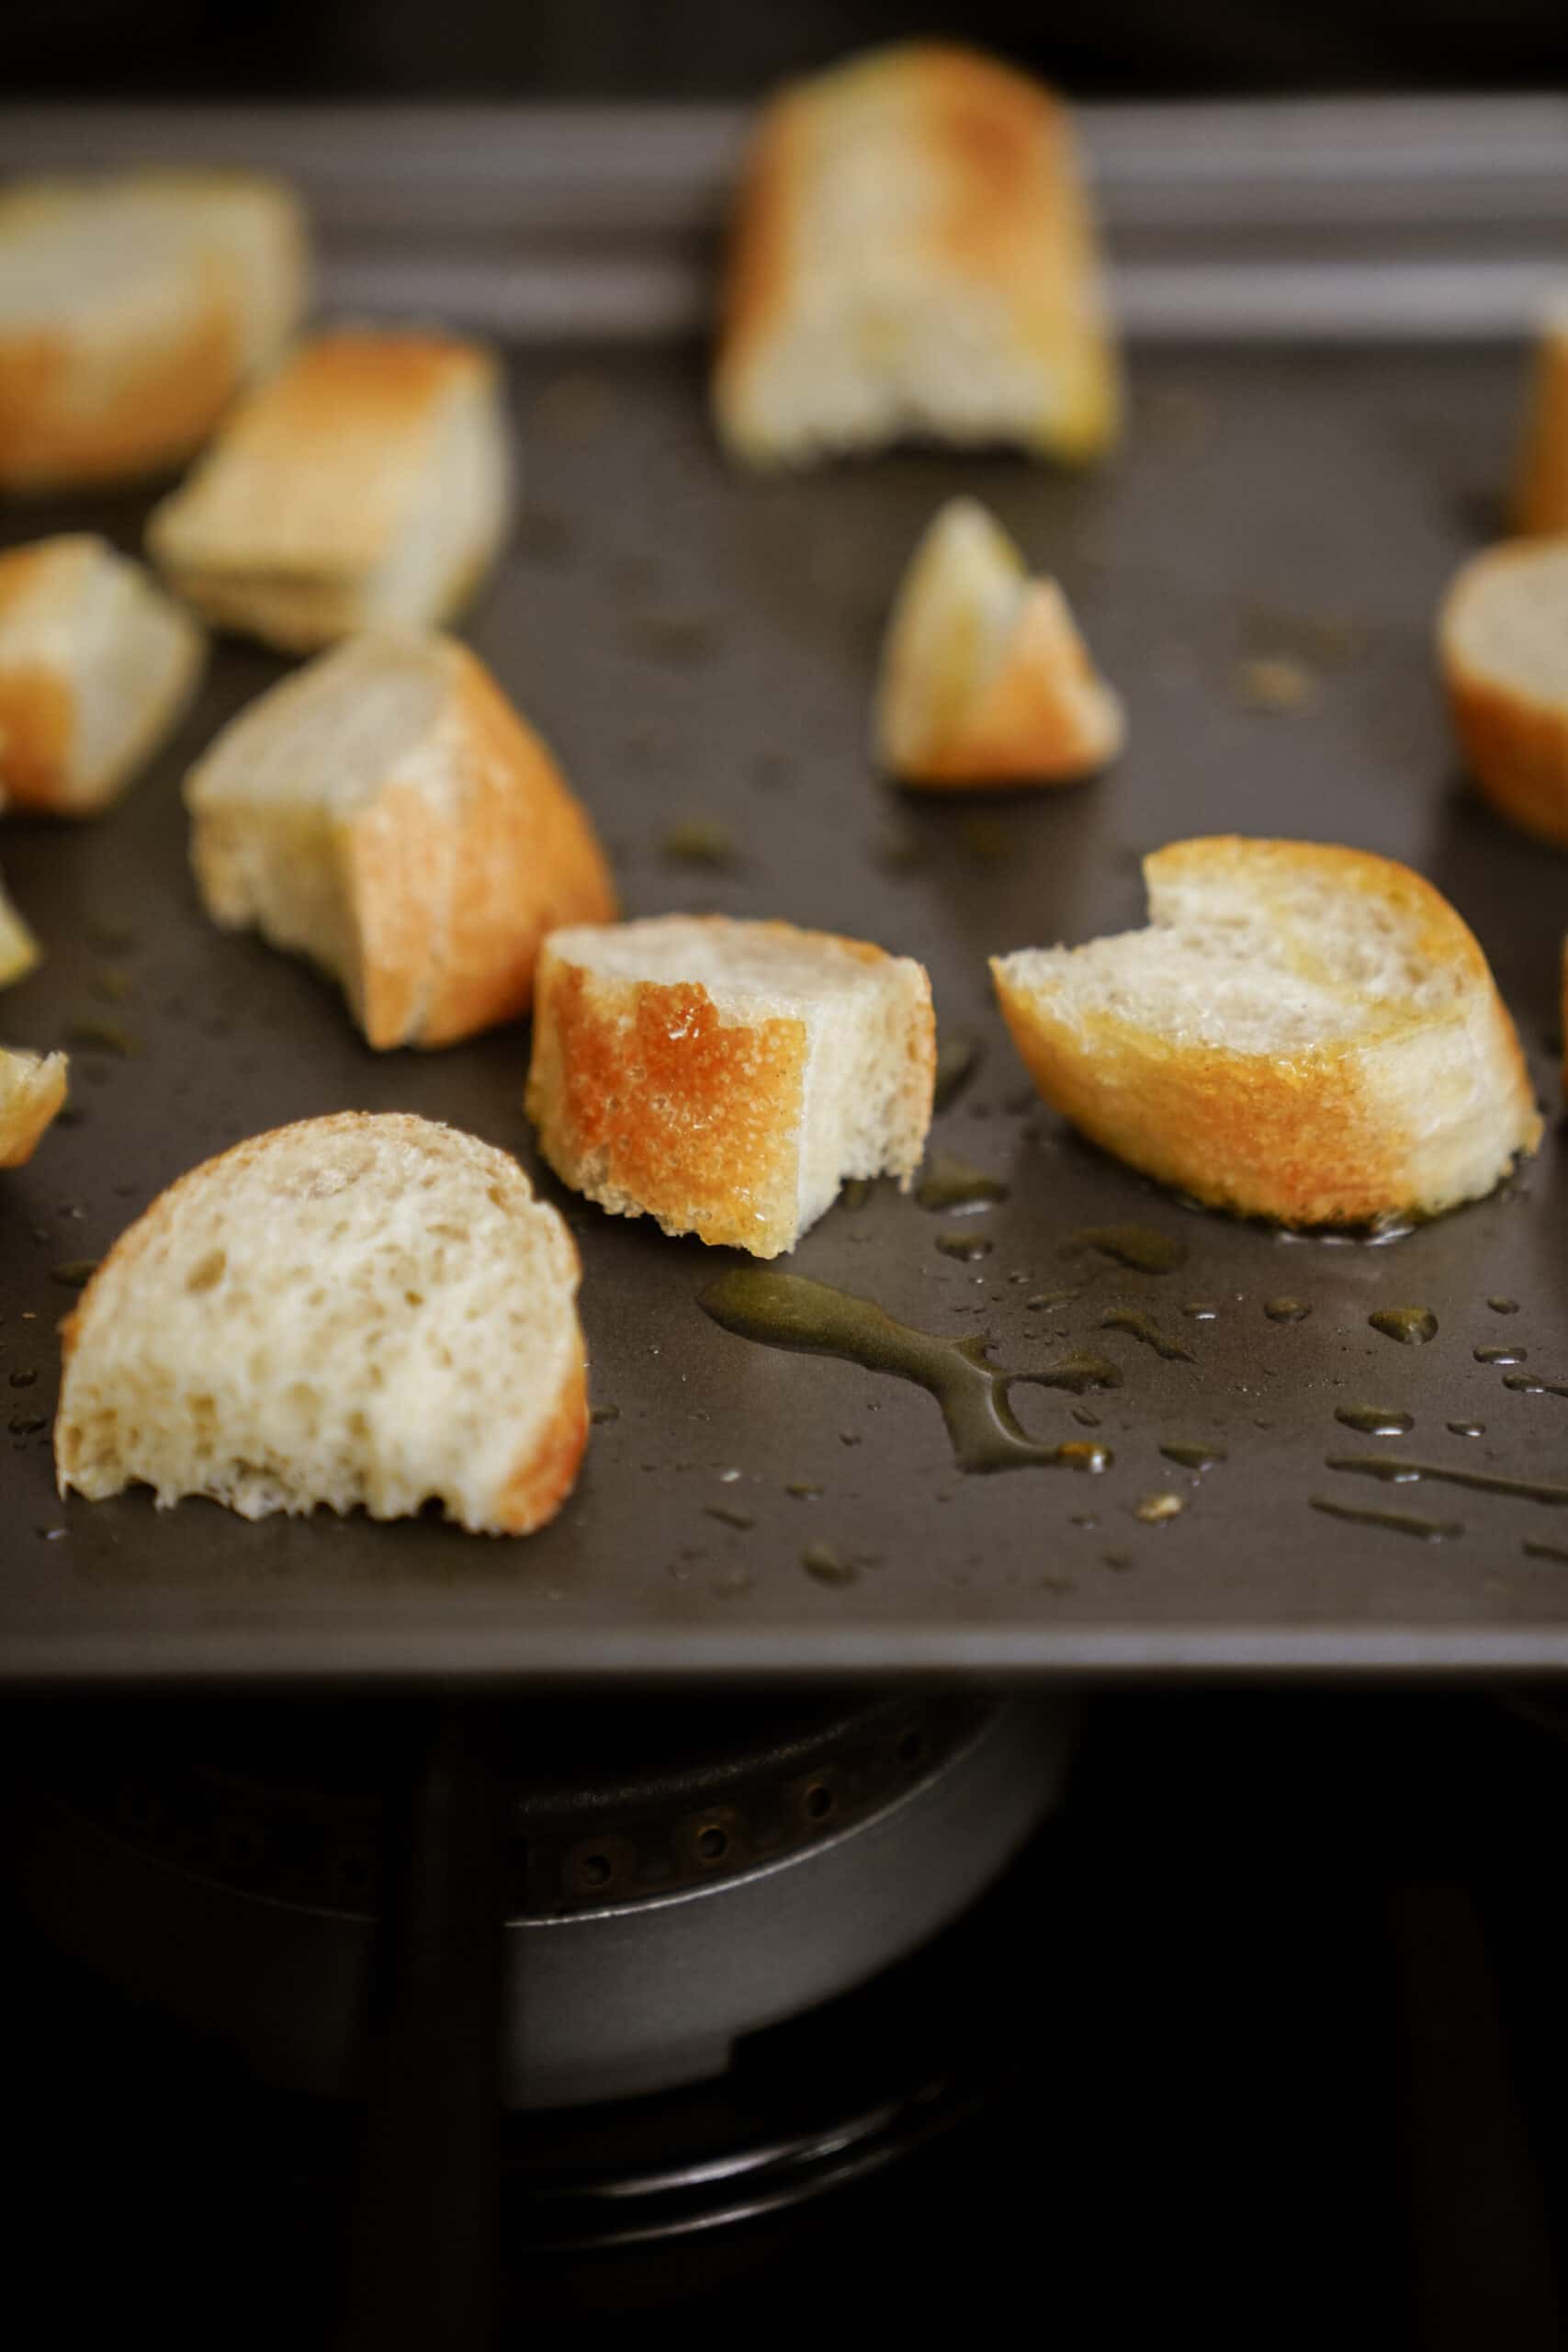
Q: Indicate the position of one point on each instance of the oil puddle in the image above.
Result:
(1411, 1326)
(1393, 1469)
(1139, 1326)
(957, 1059)
(1397, 1522)
(1286, 1311)
(948, 1182)
(1534, 1550)
(790, 1311)
(1527, 1383)
(1195, 1457)
(1137, 1246)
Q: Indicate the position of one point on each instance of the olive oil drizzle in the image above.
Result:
(1394, 1470)
(1398, 1522)
(790, 1311)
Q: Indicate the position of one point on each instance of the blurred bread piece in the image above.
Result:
(984, 678)
(386, 812)
(366, 482)
(133, 311)
(726, 1078)
(1541, 488)
(32, 1088)
(359, 1310)
(1302, 1032)
(18, 949)
(97, 666)
(1502, 641)
(914, 254)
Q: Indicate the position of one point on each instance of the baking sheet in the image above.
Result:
(701, 648)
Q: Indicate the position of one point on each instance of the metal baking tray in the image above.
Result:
(700, 648)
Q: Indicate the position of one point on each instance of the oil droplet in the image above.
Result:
(700, 841)
(947, 1183)
(1503, 1305)
(1049, 1298)
(1127, 1319)
(1194, 1457)
(1286, 1311)
(1120, 1561)
(1154, 1510)
(23, 1379)
(27, 1424)
(1411, 1326)
(1081, 1453)
(1138, 1246)
(1455, 1429)
(856, 1193)
(1525, 1384)
(1200, 1312)
(1085, 1419)
(1533, 1550)
(1372, 1421)
(49, 1534)
(803, 1491)
(965, 1247)
(1398, 1522)
(727, 1517)
(1505, 1353)
(605, 1413)
(790, 1311)
(957, 1059)
(820, 1560)
(1397, 1469)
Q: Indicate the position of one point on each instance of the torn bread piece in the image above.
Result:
(356, 1311)
(726, 1078)
(1541, 483)
(96, 667)
(1302, 1032)
(914, 254)
(19, 952)
(368, 482)
(984, 678)
(32, 1088)
(133, 311)
(1502, 641)
(386, 812)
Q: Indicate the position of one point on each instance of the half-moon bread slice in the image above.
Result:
(32, 1088)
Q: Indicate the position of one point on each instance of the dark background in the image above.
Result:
(710, 48)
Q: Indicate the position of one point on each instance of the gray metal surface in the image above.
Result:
(1311, 502)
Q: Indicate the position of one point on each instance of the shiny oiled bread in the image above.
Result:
(725, 1078)
(97, 665)
(32, 1088)
(984, 678)
(913, 254)
(1541, 485)
(1302, 1032)
(1502, 641)
(366, 482)
(359, 1310)
(18, 949)
(386, 812)
(132, 310)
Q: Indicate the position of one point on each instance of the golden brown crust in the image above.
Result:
(547, 1474)
(162, 409)
(1310, 1137)
(1044, 717)
(1515, 742)
(645, 1100)
(32, 1094)
(1541, 488)
(1008, 218)
(38, 714)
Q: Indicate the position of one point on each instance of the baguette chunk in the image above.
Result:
(984, 678)
(914, 254)
(33, 1089)
(1502, 641)
(357, 1311)
(96, 667)
(367, 482)
(133, 311)
(725, 1078)
(1306, 1033)
(386, 812)
(18, 949)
